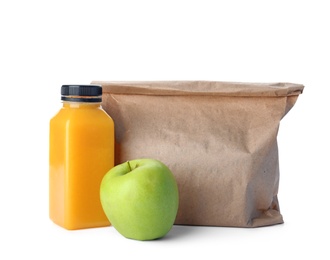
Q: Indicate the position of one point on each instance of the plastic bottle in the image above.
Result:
(81, 152)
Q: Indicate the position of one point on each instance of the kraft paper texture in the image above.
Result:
(218, 138)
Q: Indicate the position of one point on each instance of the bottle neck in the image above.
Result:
(86, 105)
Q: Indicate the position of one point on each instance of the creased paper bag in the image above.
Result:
(219, 139)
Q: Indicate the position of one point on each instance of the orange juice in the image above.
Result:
(81, 152)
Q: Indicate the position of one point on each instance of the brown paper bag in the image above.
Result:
(218, 138)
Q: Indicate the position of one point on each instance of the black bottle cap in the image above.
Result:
(81, 93)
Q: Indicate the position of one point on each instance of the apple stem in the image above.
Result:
(129, 166)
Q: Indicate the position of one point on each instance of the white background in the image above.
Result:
(44, 44)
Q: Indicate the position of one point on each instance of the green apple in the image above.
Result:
(140, 198)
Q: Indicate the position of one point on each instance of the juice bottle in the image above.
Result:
(81, 152)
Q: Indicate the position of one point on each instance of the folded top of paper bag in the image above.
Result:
(201, 88)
